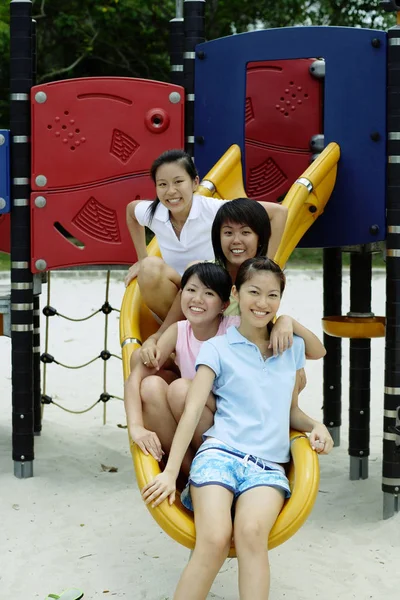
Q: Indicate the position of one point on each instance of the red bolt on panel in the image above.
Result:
(86, 226)
(5, 244)
(283, 113)
(96, 129)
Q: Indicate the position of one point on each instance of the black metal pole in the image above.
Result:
(34, 53)
(21, 276)
(332, 387)
(194, 28)
(37, 404)
(37, 396)
(360, 366)
(391, 421)
(176, 45)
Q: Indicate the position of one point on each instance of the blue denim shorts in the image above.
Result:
(217, 463)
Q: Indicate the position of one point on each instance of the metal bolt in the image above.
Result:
(2, 139)
(376, 43)
(312, 208)
(317, 69)
(199, 139)
(41, 180)
(317, 143)
(22, 457)
(361, 412)
(201, 54)
(361, 452)
(40, 202)
(41, 264)
(331, 387)
(374, 229)
(40, 97)
(396, 489)
(2, 203)
(375, 136)
(331, 424)
(174, 97)
(21, 416)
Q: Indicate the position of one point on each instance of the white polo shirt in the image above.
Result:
(253, 395)
(195, 238)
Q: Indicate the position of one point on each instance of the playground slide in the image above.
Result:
(305, 201)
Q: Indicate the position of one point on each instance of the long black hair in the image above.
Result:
(241, 211)
(213, 276)
(167, 157)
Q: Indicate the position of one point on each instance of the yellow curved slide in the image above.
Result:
(136, 323)
(307, 198)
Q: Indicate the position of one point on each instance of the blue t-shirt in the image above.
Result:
(253, 395)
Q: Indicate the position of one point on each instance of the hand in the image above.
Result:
(302, 380)
(281, 335)
(132, 273)
(162, 487)
(147, 441)
(320, 439)
(150, 354)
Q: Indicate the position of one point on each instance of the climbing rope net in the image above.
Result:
(105, 355)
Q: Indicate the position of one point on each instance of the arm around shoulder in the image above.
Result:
(282, 338)
(314, 348)
(277, 215)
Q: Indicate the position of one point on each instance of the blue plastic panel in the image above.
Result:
(4, 171)
(354, 108)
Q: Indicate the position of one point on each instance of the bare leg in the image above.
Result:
(157, 415)
(212, 515)
(176, 399)
(256, 512)
(158, 284)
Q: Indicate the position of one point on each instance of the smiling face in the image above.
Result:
(200, 304)
(259, 298)
(238, 242)
(175, 188)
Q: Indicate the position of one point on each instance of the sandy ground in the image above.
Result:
(73, 524)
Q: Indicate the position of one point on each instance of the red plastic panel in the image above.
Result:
(5, 243)
(96, 129)
(93, 142)
(283, 112)
(86, 226)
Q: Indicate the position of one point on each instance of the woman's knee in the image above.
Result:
(214, 542)
(176, 395)
(151, 271)
(153, 391)
(250, 535)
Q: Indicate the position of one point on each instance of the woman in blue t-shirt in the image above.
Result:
(241, 458)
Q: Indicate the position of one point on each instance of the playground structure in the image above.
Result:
(265, 92)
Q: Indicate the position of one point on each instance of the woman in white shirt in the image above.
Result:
(181, 220)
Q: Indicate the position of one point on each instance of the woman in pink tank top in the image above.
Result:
(205, 295)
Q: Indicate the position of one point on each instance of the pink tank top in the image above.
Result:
(188, 347)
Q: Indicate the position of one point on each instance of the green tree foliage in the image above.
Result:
(83, 38)
(129, 38)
